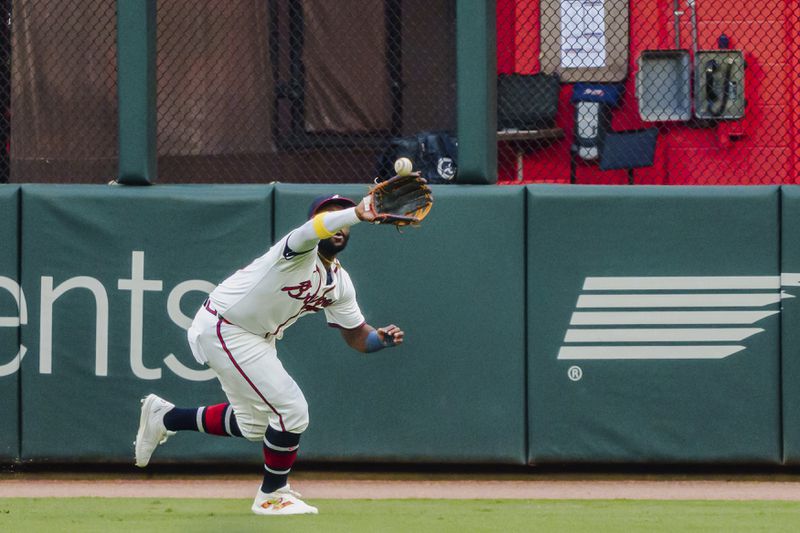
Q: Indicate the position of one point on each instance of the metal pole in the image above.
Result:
(693, 7)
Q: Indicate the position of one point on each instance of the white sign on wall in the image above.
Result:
(583, 34)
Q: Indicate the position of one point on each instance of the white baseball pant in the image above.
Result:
(258, 388)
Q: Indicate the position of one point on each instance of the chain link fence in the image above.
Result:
(656, 92)
(589, 91)
(298, 90)
(5, 89)
(275, 90)
(63, 101)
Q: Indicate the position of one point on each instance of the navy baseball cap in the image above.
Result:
(321, 201)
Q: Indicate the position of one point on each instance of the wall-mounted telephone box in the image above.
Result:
(719, 84)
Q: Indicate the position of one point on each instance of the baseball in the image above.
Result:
(403, 166)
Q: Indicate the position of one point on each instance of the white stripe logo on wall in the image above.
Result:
(670, 317)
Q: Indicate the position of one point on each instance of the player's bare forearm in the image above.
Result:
(367, 339)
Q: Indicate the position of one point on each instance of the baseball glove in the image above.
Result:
(401, 200)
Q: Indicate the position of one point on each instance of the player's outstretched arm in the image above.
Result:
(326, 224)
(321, 226)
(367, 339)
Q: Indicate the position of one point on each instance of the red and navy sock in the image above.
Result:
(214, 419)
(280, 451)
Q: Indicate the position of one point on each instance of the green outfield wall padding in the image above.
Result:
(12, 312)
(112, 276)
(136, 91)
(454, 392)
(654, 325)
(790, 322)
(544, 324)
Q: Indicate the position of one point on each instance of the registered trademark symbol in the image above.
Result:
(575, 373)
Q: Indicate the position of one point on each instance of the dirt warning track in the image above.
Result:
(428, 489)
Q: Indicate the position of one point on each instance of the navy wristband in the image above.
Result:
(374, 343)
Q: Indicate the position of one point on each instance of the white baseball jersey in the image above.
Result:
(274, 291)
(235, 332)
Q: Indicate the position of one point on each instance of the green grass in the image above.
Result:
(62, 515)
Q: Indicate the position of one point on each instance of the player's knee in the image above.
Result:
(300, 426)
(297, 419)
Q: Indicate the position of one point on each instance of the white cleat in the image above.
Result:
(151, 428)
(283, 501)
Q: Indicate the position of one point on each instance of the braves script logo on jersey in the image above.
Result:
(670, 317)
(311, 302)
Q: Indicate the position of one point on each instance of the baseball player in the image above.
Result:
(235, 333)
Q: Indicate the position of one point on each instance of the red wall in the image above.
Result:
(762, 149)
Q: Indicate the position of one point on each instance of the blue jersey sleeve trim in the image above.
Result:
(290, 254)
